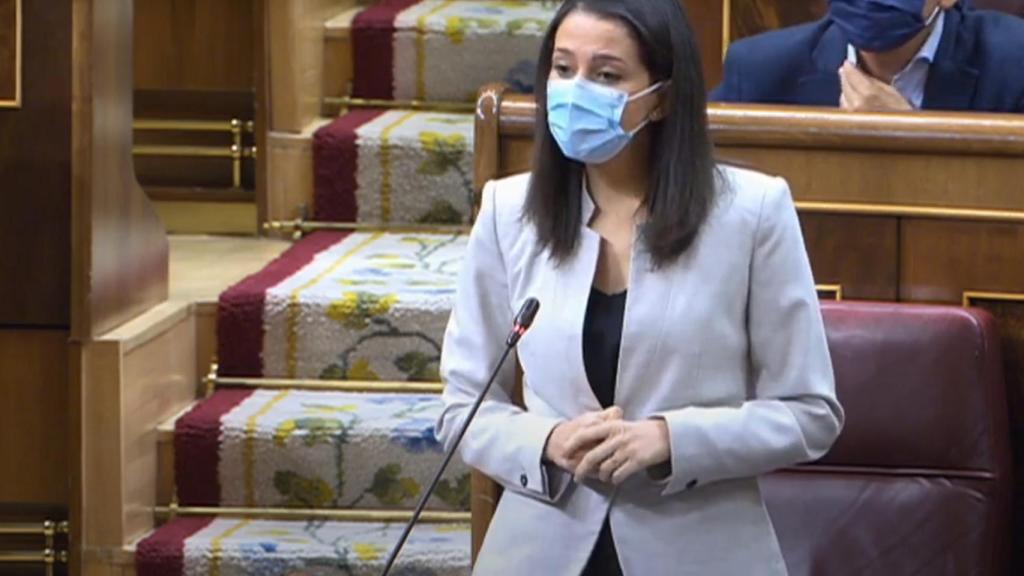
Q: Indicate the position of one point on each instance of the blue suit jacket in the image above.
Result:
(979, 65)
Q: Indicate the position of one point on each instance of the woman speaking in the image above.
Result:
(679, 351)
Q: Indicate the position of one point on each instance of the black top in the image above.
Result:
(602, 335)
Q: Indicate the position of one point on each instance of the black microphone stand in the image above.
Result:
(522, 323)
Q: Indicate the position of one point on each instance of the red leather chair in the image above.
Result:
(919, 481)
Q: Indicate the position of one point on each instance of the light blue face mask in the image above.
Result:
(586, 118)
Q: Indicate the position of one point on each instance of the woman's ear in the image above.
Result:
(664, 106)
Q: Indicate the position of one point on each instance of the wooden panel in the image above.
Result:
(232, 218)
(158, 381)
(706, 20)
(859, 253)
(803, 127)
(289, 174)
(861, 177)
(261, 120)
(135, 378)
(33, 416)
(296, 35)
(749, 17)
(119, 248)
(194, 45)
(10, 53)
(516, 156)
(944, 259)
(34, 171)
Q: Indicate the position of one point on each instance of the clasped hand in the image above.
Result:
(864, 93)
(604, 446)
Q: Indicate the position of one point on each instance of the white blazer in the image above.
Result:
(726, 344)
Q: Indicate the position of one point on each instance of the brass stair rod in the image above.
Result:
(337, 515)
(305, 226)
(334, 385)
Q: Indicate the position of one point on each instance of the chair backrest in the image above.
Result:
(919, 480)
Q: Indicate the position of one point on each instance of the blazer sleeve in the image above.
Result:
(793, 415)
(504, 441)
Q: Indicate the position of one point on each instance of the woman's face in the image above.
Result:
(604, 52)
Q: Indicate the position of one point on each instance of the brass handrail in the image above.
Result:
(905, 211)
(153, 124)
(48, 556)
(186, 151)
(236, 151)
(44, 528)
(345, 102)
(339, 515)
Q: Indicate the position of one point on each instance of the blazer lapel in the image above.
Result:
(643, 324)
(951, 80)
(821, 86)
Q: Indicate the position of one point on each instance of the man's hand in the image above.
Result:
(863, 93)
(624, 449)
(558, 450)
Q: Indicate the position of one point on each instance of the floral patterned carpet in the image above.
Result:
(361, 306)
(305, 449)
(239, 547)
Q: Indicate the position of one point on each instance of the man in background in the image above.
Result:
(884, 55)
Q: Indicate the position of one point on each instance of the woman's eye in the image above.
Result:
(562, 70)
(608, 77)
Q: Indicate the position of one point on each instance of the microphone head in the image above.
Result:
(523, 321)
(527, 313)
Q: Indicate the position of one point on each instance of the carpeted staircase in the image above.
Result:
(310, 461)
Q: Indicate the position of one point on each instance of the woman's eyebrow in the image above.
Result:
(607, 57)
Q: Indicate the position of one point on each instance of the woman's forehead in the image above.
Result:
(586, 36)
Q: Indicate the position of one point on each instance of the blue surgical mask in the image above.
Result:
(880, 25)
(586, 118)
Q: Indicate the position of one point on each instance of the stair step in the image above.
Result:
(395, 167)
(165, 430)
(436, 50)
(344, 306)
(236, 546)
(314, 449)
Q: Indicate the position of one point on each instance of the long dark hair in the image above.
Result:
(682, 165)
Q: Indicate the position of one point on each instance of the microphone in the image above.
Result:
(523, 321)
